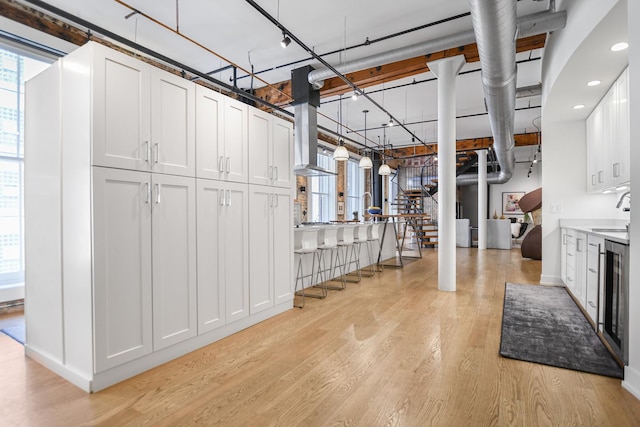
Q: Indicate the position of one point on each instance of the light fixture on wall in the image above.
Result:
(384, 168)
(341, 153)
(365, 161)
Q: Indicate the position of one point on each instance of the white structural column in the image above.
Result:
(446, 70)
(482, 199)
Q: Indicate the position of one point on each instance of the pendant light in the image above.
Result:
(384, 168)
(341, 153)
(365, 161)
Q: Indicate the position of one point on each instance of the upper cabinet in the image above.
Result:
(608, 138)
(270, 150)
(221, 137)
(143, 117)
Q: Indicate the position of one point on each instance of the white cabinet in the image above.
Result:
(563, 255)
(574, 244)
(608, 138)
(143, 117)
(223, 253)
(270, 150)
(221, 137)
(144, 263)
(271, 259)
(173, 240)
(122, 266)
(595, 275)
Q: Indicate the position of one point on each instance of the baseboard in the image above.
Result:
(55, 366)
(631, 381)
(546, 279)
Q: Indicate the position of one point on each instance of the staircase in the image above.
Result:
(417, 193)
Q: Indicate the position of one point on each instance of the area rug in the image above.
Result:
(15, 332)
(543, 324)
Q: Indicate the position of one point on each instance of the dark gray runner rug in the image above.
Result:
(543, 324)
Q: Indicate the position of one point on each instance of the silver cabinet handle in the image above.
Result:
(564, 239)
(275, 198)
(157, 193)
(593, 244)
(592, 304)
(593, 179)
(148, 191)
(221, 197)
(228, 198)
(569, 254)
(592, 270)
(616, 170)
(600, 177)
(148, 150)
(220, 164)
(271, 173)
(157, 149)
(276, 169)
(228, 165)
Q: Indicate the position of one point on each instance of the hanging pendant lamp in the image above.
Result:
(341, 153)
(384, 168)
(365, 161)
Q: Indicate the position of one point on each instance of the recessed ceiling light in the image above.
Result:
(619, 46)
(622, 187)
(578, 106)
(594, 83)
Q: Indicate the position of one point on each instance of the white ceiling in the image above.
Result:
(235, 31)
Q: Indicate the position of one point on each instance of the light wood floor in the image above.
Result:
(392, 350)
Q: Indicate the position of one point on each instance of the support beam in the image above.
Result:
(482, 199)
(446, 71)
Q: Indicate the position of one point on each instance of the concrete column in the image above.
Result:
(482, 199)
(446, 70)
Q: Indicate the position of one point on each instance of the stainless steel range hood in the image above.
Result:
(306, 100)
(306, 141)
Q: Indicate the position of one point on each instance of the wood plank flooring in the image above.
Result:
(391, 350)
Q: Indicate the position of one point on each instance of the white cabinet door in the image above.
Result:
(595, 150)
(621, 147)
(594, 246)
(173, 124)
(261, 170)
(235, 240)
(174, 259)
(122, 266)
(580, 290)
(235, 158)
(211, 291)
(121, 117)
(563, 255)
(209, 133)
(283, 245)
(282, 154)
(261, 250)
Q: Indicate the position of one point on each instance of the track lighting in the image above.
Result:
(286, 41)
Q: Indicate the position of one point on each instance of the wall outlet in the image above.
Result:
(556, 207)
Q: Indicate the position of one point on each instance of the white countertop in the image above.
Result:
(600, 229)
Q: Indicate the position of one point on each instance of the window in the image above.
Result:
(322, 206)
(355, 190)
(15, 69)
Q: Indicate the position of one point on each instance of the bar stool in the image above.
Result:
(348, 249)
(360, 236)
(373, 235)
(328, 242)
(308, 245)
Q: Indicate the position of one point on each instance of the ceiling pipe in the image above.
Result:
(494, 23)
(530, 25)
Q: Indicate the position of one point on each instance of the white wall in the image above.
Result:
(632, 372)
(518, 182)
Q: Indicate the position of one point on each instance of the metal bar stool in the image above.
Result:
(328, 242)
(373, 235)
(348, 250)
(308, 245)
(361, 237)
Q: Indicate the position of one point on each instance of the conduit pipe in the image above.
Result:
(530, 25)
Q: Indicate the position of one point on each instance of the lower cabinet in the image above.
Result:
(223, 242)
(595, 276)
(271, 259)
(144, 263)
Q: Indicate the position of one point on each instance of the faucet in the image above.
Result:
(625, 194)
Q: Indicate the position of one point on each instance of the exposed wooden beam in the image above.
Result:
(389, 72)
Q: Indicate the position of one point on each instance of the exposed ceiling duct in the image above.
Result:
(530, 25)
